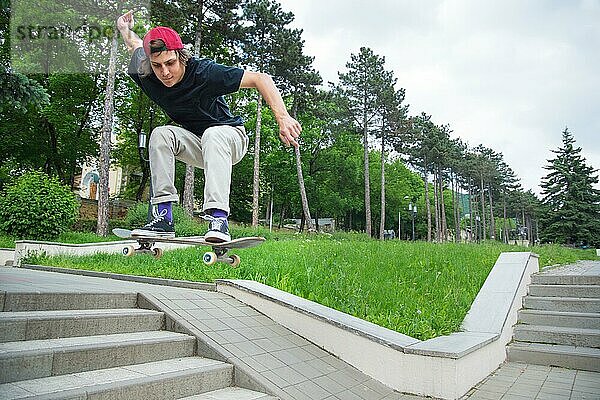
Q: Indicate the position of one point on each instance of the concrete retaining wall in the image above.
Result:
(446, 367)
(25, 247)
(6, 255)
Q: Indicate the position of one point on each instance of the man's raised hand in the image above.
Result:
(125, 21)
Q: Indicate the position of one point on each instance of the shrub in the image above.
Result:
(36, 206)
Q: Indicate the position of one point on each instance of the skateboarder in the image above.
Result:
(210, 137)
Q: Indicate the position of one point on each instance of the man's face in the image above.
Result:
(166, 67)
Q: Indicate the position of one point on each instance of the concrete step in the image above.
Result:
(35, 325)
(557, 335)
(231, 393)
(562, 304)
(168, 379)
(582, 358)
(14, 301)
(549, 279)
(42, 358)
(577, 291)
(560, 318)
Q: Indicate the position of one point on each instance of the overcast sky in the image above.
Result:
(507, 74)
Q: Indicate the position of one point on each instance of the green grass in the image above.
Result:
(420, 289)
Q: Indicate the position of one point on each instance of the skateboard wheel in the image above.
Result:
(235, 261)
(128, 251)
(157, 252)
(209, 258)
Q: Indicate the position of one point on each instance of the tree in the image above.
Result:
(265, 37)
(393, 116)
(107, 126)
(572, 203)
(300, 80)
(57, 137)
(509, 183)
(418, 143)
(361, 90)
(17, 92)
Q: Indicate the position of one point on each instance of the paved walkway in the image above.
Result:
(279, 357)
(580, 268)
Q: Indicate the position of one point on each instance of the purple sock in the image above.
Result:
(215, 212)
(166, 206)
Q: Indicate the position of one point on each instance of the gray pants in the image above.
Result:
(219, 148)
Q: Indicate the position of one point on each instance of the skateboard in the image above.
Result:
(219, 250)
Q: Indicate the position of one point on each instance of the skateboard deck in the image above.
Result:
(219, 250)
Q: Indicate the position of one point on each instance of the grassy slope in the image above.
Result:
(420, 289)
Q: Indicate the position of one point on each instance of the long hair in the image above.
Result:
(145, 69)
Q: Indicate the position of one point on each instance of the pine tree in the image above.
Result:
(572, 203)
(362, 88)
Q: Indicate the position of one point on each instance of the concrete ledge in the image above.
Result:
(123, 277)
(445, 367)
(6, 255)
(328, 315)
(25, 247)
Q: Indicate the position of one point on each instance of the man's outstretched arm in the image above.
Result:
(289, 128)
(131, 39)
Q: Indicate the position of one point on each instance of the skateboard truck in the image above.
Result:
(220, 254)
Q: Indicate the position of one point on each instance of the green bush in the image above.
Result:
(36, 206)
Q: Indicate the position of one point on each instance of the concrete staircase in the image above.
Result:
(559, 324)
(101, 346)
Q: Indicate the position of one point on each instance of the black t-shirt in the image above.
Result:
(196, 102)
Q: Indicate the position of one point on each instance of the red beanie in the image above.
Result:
(167, 35)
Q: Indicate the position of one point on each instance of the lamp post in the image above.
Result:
(142, 140)
(400, 220)
(413, 212)
(399, 226)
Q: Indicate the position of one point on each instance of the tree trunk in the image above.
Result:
(188, 190)
(305, 208)
(504, 226)
(104, 162)
(188, 183)
(436, 203)
(529, 230)
(382, 223)
(256, 176)
(367, 179)
(428, 206)
(471, 209)
(301, 186)
(457, 230)
(282, 215)
(492, 219)
(443, 210)
(482, 195)
(144, 162)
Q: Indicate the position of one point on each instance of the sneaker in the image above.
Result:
(218, 229)
(158, 227)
